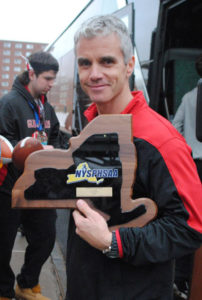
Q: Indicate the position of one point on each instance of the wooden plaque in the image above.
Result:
(106, 143)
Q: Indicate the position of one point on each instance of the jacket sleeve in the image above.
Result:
(169, 177)
(8, 124)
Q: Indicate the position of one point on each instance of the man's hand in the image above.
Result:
(91, 226)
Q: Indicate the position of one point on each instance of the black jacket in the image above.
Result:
(17, 121)
(166, 173)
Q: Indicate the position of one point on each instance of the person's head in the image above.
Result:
(105, 60)
(198, 65)
(42, 69)
(103, 26)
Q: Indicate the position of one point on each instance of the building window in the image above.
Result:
(6, 60)
(4, 83)
(29, 46)
(18, 53)
(5, 68)
(17, 69)
(6, 52)
(5, 76)
(17, 61)
(28, 54)
(18, 46)
(7, 45)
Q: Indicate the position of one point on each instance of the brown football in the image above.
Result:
(22, 150)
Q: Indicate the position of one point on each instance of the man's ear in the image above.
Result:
(130, 66)
(31, 74)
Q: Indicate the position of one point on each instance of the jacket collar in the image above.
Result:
(138, 102)
(21, 89)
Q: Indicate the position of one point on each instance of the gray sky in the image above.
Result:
(44, 20)
(37, 20)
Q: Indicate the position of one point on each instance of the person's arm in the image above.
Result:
(171, 180)
(175, 187)
(178, 121)
(8, 122)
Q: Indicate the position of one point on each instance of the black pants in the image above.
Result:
(39, 227)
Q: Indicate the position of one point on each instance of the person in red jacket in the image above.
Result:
(131, 263)
(25, 112)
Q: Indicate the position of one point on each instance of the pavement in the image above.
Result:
(53, 275)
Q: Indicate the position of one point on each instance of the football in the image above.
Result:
(6, 150)
(23, 149)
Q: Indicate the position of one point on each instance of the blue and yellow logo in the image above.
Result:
(84, 173)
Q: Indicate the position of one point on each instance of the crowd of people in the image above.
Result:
(127, 263)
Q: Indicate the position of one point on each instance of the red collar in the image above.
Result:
(138, 101)
(42, 97)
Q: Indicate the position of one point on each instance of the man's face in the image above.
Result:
(102, 71)
(42, 83)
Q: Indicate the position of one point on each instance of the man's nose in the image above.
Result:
(95, 72)
(51, 83)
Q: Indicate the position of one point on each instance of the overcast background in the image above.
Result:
(42, 21)
(38, 21)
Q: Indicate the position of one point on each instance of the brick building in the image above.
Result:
(11, 62)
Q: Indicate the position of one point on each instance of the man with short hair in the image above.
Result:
(24, 112)
(131, 263)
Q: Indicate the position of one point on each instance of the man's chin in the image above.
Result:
(98, 100)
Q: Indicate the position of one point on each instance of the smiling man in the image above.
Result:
(25, 112)
(103, 73)
(131, 263)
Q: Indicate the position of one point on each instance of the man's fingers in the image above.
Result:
(77, 216)
(91, 226)
(76, 213)
(84, 208)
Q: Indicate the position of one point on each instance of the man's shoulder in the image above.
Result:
(7, 98)
(190, 95)
(49, 105)
(154, 128)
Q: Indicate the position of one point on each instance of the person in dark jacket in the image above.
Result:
(25, 112)
(185, 122)
(131, 263)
